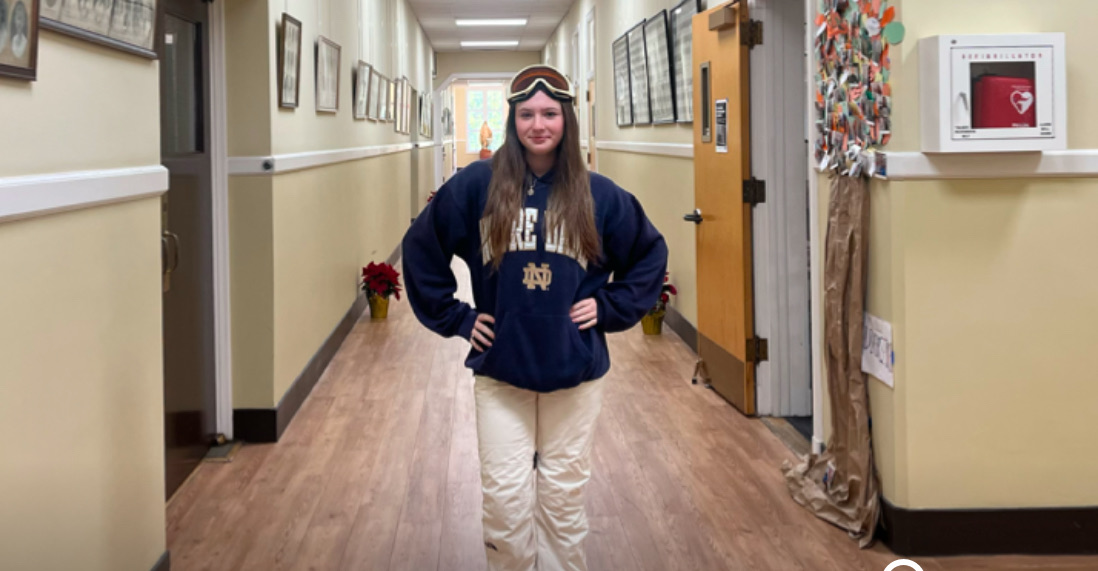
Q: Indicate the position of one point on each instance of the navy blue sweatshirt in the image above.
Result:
(536, 345)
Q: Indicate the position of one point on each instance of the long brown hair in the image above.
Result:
(570, 198)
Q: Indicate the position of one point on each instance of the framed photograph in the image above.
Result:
(657, 50)
(623, 99)
(409, 97)
(638, 75)
(390, 100)
(398, 105)
(327, 75)
(362, 89)
(127, 25)
(19, 39)
(289, 63)
(373, 106)
(89, 15)
(134, 22)
(682, 58)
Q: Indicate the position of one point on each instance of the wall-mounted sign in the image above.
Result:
(720, 115)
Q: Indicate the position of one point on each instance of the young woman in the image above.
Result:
(542, 237)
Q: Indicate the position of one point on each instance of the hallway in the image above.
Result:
(379, 471)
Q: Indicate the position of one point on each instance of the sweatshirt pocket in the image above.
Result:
(539, 351)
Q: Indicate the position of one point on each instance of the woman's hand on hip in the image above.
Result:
(585, 313)
(482, 335)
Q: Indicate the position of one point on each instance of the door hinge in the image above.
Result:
(752, 33)
(754, 191)
(758, 350)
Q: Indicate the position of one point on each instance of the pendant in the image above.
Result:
(531, 191)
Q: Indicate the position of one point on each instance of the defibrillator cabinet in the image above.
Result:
(993, 93)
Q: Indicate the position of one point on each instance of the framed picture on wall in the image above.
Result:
(327, 75)
(374, 103)
(409, 97)
(19, 39)
(134, 22)
(657, 50)
(638, 75)
(289, 63)
(398, 106)
(682, 58)
(390, 103)
(623, 99)
(127, 25)
(362, 89)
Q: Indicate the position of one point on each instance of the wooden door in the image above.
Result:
(723, 221)
(591, 126)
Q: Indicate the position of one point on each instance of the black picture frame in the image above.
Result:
(682, 64)
(114, 32)
(623, 87)
(289, 48)
(657, 52)
(638, 76)
(19, 52)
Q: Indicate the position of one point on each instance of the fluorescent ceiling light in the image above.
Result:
(490, 44)
(491, 22)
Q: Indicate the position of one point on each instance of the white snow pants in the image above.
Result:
(535, 524)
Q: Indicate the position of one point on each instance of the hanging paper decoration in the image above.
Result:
(853, 96)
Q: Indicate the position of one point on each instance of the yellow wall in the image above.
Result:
(391, 41)
(450, 63)
(58, 131)
(329, 223)
(665, 185)
(300, 239)
(991, 301)
(658, 183)
(81, 382)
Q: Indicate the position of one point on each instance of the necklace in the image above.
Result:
(530, 192)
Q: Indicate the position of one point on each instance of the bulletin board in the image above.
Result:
(853, 97)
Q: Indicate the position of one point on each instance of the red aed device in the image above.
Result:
(1002, 102)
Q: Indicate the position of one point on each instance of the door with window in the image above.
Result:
(187, 239)
(723, 221)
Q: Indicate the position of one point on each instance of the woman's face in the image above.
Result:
(539, 122)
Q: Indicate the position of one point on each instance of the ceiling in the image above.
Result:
(437, 19)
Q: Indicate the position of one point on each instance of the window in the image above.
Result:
(485, 104)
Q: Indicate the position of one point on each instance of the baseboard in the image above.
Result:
(1041, 531)
(683, 328)
(164, 563)
(268, 424)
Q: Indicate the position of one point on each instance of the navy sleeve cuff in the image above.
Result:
(467, 323)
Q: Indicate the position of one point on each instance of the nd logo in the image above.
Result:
(903, 563)
(535, 277)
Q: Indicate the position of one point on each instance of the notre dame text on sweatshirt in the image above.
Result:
(536, 345)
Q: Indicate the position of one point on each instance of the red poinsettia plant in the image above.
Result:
(381, 280)
(666, 292)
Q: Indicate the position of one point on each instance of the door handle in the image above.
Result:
(695, 216)
(174, 239)
(169, 256)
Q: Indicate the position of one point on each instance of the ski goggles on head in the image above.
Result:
(530, 78)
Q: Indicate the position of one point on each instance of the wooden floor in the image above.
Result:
(379, 471)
